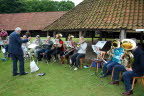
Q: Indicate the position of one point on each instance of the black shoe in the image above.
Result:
(39, 60)
(114, 83)
(25, 73)
(128, 93)
(15, 74)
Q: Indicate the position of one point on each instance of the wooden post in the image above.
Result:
(84, 33)
(105, 36)
(80, 33)
(100, 36)
(141, 38)
(93, 36)
(47, 33)
(54, 34)
(122, 34)
(92, 40)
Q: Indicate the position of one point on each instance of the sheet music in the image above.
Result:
(97, 51)
(32, 46)
(55, 41)
(100, 44)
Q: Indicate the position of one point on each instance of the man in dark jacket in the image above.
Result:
(16, 52)
(137, 70)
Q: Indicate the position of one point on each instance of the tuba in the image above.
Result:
(128, 59)
(128, 45)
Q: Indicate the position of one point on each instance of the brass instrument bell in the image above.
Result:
(128, 44)
(116, 43)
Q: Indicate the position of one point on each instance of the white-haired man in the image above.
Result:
(16, 52)
(80, 54)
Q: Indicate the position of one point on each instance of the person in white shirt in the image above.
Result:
(25, 46)
(80, 54)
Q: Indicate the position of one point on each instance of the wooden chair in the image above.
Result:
(82, 60)
(142, 78)
(113, 73)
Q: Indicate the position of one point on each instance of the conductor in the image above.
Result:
(16, 52)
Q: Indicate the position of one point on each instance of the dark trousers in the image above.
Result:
(15, 59)
(76, 59)
(56, 52)
(68, 54)
(39, 53)
(117, 70)
(127, 77)
(108, 67)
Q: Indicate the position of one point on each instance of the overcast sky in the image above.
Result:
(75, 1)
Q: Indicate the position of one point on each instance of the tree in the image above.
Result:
(17, 6)
(11, 6)
(65, 5)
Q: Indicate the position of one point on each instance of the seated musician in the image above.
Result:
(58, 48)
(6, 42)
(70, 48)
(44, 51)
(25, 46)
(116, 59)
(137, 69)
(80, 54)
(126, 64)
(38, 42)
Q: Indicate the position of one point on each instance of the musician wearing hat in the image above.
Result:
(46, 49)
(58, 47)
(137, 67)
(69, 48)
(80, 53)
(118, 52)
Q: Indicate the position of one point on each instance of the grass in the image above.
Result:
(58, 81)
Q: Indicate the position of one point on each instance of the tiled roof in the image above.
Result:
(102, 14)
(29, 21)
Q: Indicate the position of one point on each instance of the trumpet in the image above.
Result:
(78, 44)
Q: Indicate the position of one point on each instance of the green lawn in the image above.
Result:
(58, 81)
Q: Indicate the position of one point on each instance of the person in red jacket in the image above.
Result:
(3, 36)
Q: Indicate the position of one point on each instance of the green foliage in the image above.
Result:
(11, 6)
(17, 6)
